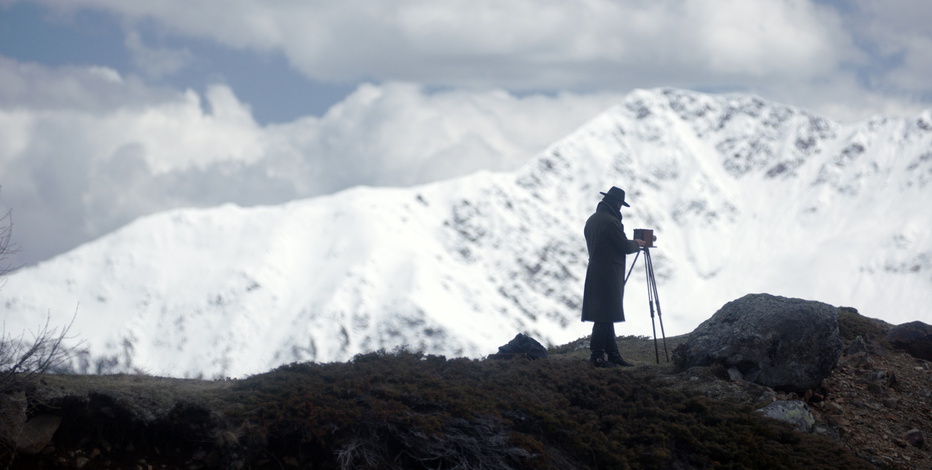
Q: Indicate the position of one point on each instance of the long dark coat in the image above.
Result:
(605, 277)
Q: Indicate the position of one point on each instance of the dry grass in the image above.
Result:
(409, 410)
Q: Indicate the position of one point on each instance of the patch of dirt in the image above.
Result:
(874, 399)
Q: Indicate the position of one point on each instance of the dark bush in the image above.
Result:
(408, 410)
(852, 324)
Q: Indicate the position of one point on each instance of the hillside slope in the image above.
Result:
(409, 410)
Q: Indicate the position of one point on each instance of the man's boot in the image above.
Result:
(600, 362)
(616, 359)
(596, 359)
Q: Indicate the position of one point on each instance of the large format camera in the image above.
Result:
(647, 235)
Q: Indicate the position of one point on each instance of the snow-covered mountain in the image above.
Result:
(744, 195)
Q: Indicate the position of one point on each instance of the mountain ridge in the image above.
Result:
(745, 196)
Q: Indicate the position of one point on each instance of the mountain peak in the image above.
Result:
(745, 195)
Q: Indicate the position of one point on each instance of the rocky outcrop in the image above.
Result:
(914, 337)
(19, 434)
(795, 412)
(782, 343)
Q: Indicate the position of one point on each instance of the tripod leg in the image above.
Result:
(632, 266)
(656, 297)
(650, 301)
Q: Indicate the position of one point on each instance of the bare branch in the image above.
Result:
(22, 362)
(7, 247)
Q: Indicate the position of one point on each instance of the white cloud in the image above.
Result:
(913, 73)
(397, 134)
(815, 47)
(519, 44)
(77, 167)
(91, 89)
(781, 40)
(899, 31)
(155, 62)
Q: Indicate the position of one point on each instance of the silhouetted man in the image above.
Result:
(604, 293)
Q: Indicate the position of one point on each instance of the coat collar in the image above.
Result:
(607, 208)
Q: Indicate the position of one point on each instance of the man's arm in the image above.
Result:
(621, 241)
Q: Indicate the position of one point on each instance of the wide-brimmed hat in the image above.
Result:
(616, 194)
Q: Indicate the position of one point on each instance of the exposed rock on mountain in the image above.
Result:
(913, 337)
(795, 412)
(781, 343)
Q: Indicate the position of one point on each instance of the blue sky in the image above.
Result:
(275, 91)
(114, 109)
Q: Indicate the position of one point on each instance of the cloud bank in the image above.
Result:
(106, 150)
(773, 47)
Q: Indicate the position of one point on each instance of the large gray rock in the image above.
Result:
(782, 343)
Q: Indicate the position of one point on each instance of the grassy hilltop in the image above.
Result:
(409, 410)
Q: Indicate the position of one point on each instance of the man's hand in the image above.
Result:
(641, 243)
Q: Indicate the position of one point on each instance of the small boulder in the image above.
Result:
(522, 345)
(37, 433)
(782, 343)
(915, 438)
(794, 412)
(856, 346)
(914, 337)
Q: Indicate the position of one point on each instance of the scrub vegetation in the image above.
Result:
(409, 410)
